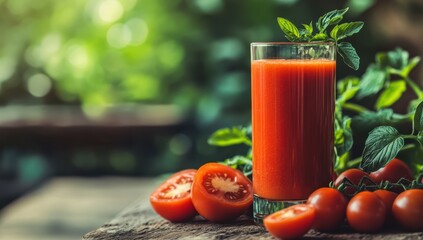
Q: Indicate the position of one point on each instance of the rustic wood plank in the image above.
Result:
(140, 222)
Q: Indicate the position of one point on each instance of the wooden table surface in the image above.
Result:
(139, 221)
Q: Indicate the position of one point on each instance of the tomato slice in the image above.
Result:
(172, 199)
(221, 193)
(291, 222)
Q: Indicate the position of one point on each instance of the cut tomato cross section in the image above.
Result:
(221, 193)
(172, 199)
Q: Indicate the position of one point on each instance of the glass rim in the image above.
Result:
(258, 44)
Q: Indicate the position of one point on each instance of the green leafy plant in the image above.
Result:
(339, 32)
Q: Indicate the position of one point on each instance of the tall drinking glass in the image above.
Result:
(293, 98)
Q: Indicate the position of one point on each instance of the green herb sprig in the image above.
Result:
(339, 32)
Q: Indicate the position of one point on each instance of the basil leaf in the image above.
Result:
(407, 69)
(345, 30)
(418, 118)
(391, 94)
(290, 30)
(347, 88)
(372, 81)
(330, 18)
(229, 136)
(343, 135)
(382, 59)
(398, 58)
(348, 53)
(308, 28)
(320, 37)
(382, 145)
(241, 163)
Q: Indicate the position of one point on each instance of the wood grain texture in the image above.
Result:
(140, 222)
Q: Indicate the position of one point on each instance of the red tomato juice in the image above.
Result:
(292, 120)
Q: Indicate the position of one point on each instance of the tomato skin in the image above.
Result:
(388, 199)
(354, 175)
(330, 205)
(216, 208)
(298, 223)
(175, 209)
(366, 212)
(408, 209)
(392, 172)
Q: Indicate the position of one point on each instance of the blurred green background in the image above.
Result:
(135, 87)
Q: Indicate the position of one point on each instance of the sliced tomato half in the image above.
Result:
(291, 222)
(172, 199)
(221, 193)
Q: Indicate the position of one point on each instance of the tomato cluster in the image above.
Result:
(220, 193)
(217, 192)
(366, 211)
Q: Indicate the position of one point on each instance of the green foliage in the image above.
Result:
(233, 136)
(382, 145)
(391, 94)
(349, 55)
(339, 32)
(230, 136)
(290, 30)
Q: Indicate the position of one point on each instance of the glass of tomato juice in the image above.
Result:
(293, 102)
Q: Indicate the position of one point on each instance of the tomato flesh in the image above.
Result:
(330, 205)
(408, 209)
(291, 222)
(172, 199)
(222, 185)
(392, 172)
(366, 212)
(221, 193)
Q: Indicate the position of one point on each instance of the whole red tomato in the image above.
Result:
(291, 222)
(354, 175)
(392, 172)
(388, 199)
(330, 205)
(172, 199)
(221, 193)
(366, 212)
(408, 209)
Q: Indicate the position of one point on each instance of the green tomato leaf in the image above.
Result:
(344, 30)
(348, 53)
(330, 18)
(372, 81)
(391, 94)
(229, 136)
(289, 29)
(418, 118)
(382, 145)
